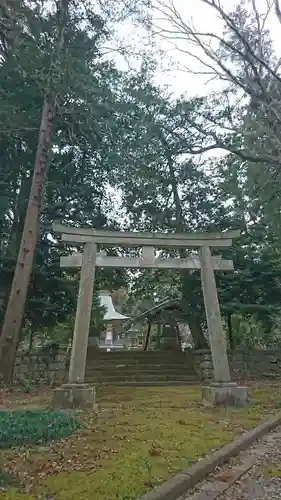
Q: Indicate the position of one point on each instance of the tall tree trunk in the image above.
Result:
(194, 322)
(15, 308)
(13, 245)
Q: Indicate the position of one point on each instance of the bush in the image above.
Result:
(278, 404)
(6, 480)
(29, 427)
(249, 333)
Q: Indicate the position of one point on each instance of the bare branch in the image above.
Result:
(278, 10)
(232, 26)
(238, 152)
(219, 143)
(244, 64)
(179, 30)
(260, 28)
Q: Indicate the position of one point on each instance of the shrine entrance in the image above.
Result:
(203, 260)
(163, 332)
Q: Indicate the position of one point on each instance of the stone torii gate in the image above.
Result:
(78, 394)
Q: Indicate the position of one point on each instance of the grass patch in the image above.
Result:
(272, 470)
(140, 438)
(23, 427)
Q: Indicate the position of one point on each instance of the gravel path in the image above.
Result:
(254, 475)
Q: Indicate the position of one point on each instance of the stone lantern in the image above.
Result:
(112, 318)
(133, 337)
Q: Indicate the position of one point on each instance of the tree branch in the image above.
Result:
(278, 10)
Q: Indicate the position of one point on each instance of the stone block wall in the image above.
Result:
(256, 364)
(44, 364)
(245, 364)
(51, 365)
(202, 362)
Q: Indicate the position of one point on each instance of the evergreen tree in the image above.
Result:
(52, 66)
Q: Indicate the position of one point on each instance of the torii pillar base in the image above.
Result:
(225, 394)
(75, 397)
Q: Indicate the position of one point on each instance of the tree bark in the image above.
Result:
(230, 332)
(15, 308)
(13, 245)
(199, 339)
(147, 339)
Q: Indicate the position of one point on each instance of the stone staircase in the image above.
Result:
(139, 368)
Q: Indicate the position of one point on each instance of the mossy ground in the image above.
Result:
(140, 438)
(272, 470)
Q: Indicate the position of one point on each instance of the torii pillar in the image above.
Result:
(221, 391)
(77, 394)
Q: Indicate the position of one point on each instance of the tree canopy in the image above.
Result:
(126, 154)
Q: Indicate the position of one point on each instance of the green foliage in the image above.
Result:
(23, 427)
(75, 187)
(249, 333)
(27, 386)
(61, 333)
(7, 480)
(278, 404)
(118, 132)
(97, 325)
(51, 336)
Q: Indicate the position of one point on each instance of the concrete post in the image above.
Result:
(83, 316)
(212, 308)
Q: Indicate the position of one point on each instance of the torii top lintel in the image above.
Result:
(136, 239)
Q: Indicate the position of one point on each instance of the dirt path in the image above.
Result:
(254, 475)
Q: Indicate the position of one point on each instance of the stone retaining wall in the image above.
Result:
(50, 365)
(44, 364)
(243, 364)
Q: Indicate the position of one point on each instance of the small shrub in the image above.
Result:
(278, 404)
(249, 333)
(30, 427)
(7, 480)
(27, 385)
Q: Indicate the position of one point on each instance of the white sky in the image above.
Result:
(205, 19)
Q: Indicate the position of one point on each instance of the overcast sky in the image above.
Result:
(205, 19)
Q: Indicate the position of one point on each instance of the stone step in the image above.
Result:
(139, 377)
(150, 383)
(151, 354)
(145, 374)
(139, 367)
(140, 360)
(145, 360)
